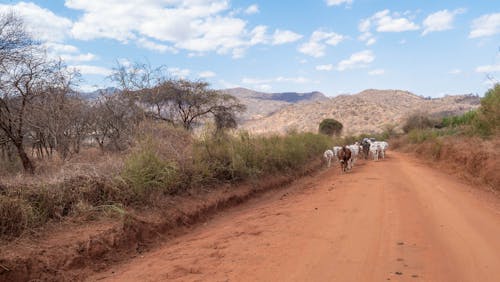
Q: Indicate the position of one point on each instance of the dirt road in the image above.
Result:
(395, 219)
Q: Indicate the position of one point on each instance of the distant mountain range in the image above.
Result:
(95, 94)
(260, 104)
(366, 112)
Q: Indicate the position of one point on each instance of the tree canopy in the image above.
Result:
(330, 127)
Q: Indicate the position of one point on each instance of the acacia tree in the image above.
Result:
(193, 100)
(177, 101)
(330, 127)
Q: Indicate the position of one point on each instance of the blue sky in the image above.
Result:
(430, 48)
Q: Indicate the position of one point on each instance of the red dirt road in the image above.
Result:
(395, 219)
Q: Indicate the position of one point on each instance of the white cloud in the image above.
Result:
(368, 38)
(455, 71)
(285, 36)
(376, 72)
(279, 79)
(40, 22)
(357, 60)
(58, 48)
(43, 24)
(486, 25)
(178, 72)
(264, 87)
(153, 46)
(198, 26)
(258, 35)
(227, 84)
(252, 9)
(371, 41)
(238, 53)
(313, 49)
(207, 74)
(441, 20)
(67, 53)
(78, 58)
(316, 45)
(338, 2)
(327, 67)
(92, 70)
(364, 25)
(384, 21)
(488, 68)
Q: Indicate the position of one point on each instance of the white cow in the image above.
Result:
(355, 150)
(328, 155)
(375, 150)
(383, 147)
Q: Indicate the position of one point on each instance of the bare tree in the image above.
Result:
(113, 121)
(26, 78)
(180, 102)
(193, 100)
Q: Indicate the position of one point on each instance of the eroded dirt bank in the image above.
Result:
(395, 219)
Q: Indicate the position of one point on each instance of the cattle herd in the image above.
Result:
(347, 155)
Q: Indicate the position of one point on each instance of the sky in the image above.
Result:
(431, 48)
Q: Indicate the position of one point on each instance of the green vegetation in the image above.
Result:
(456, 121)
(145, 171)
(330, 127)
(419, 121)
(150, 174)
(240, 157)
(483, 122)
(487, 122)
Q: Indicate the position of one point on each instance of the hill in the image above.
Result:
(368, 111)
(260, 104)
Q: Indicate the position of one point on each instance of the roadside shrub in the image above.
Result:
(454, 121)
(418, 121)
(231, 158)
(330, 127)
(144, 171)
(15, 216)
(487, 122)
(417, 136)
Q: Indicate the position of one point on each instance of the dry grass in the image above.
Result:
(472, 158)
(163, 162)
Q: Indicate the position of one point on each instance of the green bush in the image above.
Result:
(419, 121)
(487, 122)
(144, 172)
(330, 127)
(467, 118)
(239, 157)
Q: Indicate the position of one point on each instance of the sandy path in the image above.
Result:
(395, 219)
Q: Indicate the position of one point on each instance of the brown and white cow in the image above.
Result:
(345, 158)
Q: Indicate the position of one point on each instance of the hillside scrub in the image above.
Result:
(466, 144)
(472, 158)
(153, 170)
